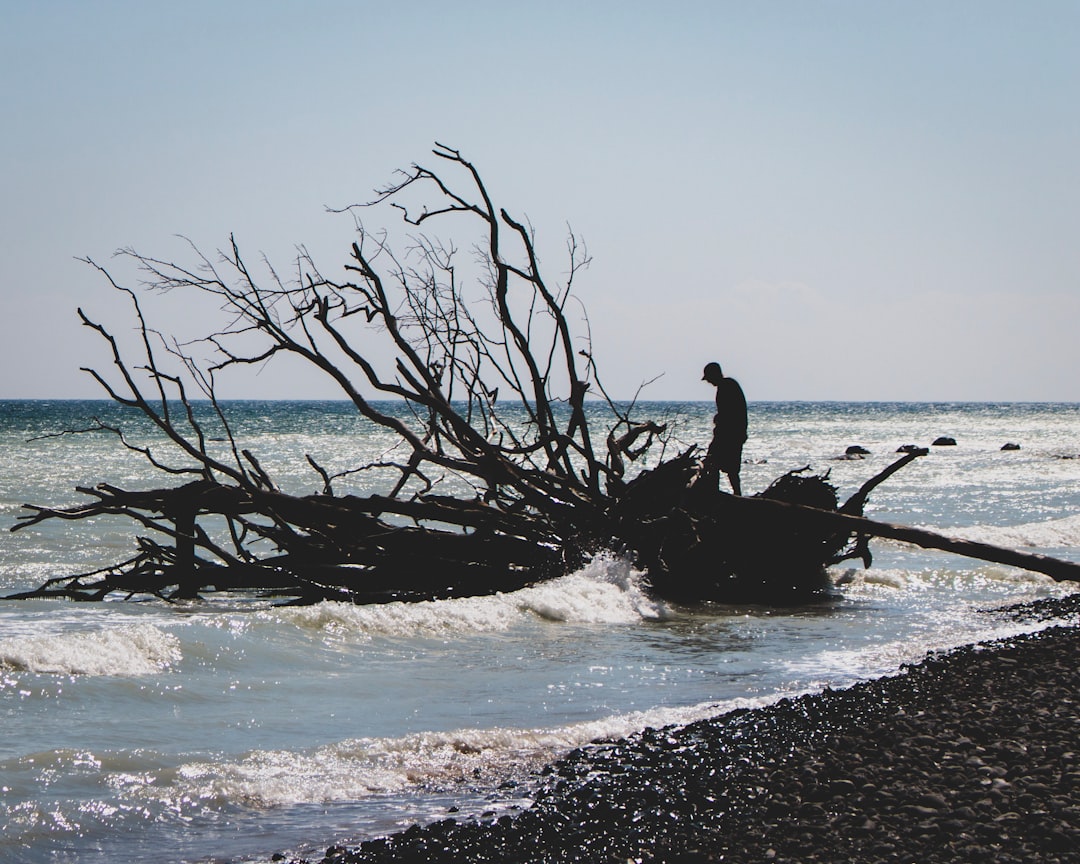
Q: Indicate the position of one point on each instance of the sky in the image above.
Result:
(835, 199)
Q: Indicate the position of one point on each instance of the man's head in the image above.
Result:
(713, 373)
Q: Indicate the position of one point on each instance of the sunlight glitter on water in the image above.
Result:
(198, 727)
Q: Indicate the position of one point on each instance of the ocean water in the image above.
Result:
(230, 729)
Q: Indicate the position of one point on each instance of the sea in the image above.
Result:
(230, 729)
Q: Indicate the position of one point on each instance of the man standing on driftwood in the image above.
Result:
(729, 430)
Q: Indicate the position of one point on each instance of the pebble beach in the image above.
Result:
(971, 755)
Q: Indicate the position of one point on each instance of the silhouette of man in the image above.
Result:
(729, 429)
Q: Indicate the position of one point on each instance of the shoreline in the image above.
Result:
(969, 755)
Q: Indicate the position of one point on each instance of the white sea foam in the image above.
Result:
(847, 666)
(1049, 534)
(608, 590)
(981, 583)
(887, 577)
(140, 649)
(359, 768)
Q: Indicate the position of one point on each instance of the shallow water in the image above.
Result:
(229, 730)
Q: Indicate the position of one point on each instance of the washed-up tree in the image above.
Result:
(514, 465)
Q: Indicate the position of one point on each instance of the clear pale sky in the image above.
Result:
(835, 200)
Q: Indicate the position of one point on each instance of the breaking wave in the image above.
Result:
(429, 761)
(608, 590)
(843, 667)
(1053, 533)
(140, 649)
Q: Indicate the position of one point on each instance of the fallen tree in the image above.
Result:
(504, 406)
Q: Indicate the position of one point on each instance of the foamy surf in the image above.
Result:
(431, 761)
(608, 590)
(981, 574)
(140, 649)
(841, 668)
(1053, 533)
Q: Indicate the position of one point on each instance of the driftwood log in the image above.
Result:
(494, 391)
(696, 546)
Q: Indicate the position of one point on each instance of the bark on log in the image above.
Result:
(769, 548)
(1055, 568)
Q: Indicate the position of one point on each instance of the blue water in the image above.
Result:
(230, 730)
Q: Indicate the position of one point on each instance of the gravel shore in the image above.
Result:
(971, 755)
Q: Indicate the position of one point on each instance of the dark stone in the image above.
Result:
(1010, 446)
(856, 450)
(944, 441)
(908, 448)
